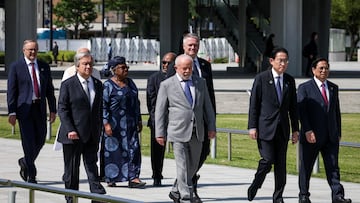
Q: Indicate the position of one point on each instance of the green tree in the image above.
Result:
(143, 15)
(345, 14)
(75, 13)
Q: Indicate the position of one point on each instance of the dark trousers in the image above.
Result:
(72, 155)
(157, 156)
(33, 135)
(273, 152)
(329, 152)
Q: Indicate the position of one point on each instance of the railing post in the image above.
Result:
(229, 146)
(31, 196)
(213, 148)
(48, 134)
(298, 157)
(316, 166)
(12, 196)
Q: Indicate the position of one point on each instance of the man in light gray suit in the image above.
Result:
(182, 107)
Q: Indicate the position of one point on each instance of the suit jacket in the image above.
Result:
(20, 89)
(314, 115)
(173, 107)
(75, 112)
(206, 73)
(153, 85)
(266, 112)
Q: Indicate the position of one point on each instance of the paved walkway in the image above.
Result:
(217, 183)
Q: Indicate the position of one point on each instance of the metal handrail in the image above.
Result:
(66, 192)
(245, 132)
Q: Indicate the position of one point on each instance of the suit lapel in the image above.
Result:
(318, 93)
(42, 78)
(285, 86)
(80, 87)
(179, 89)
(331, 93)
(271, 81)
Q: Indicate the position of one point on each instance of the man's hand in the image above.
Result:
(12, 120)
(253, 134)
(295, 137)
(52, 117)
(161, 141)
(73, 135)
(211, 134)
(310, 137)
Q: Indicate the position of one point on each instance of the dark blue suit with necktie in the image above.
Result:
(31, 114)
(325, 121)
(272, 118)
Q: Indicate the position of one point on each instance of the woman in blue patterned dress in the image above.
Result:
(122, 123)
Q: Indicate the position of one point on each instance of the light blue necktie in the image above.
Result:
(188, 92)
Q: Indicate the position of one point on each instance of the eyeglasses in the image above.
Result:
(31, 50)
(323, 68)
(166, 62)
(124, 67)
(282, 61)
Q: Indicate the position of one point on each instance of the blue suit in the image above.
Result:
(325, 122)
(31, 114)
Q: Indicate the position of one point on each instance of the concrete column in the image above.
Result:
(316, 18)
(173, 23)
(242, 38)
(286, 21)
(20, 24)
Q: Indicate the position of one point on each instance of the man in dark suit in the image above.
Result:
(272, 100)
(29, 86)
(201, 68)
(182, 107)
(80, 112)
(319, 109)
(153, 85)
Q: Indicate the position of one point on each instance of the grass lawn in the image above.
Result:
(244, 150)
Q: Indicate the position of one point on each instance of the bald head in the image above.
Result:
(166, 60)
(183, 66)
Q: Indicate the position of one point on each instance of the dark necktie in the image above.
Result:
(35, 82)
(323, 93)
(188, 92)
(86, 88)
(195, 68)
(278, 88)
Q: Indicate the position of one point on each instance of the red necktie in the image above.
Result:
(323, 93)
(35, 82)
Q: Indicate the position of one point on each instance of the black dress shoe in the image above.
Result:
(196, 198)
(32, 180)
(96, 187)
(111, 184)
(341, 200)
(23, 169)
(175, 197)
(136, 184)
(252, 192)
(304, 199)
(279, 201)
(157, 182)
